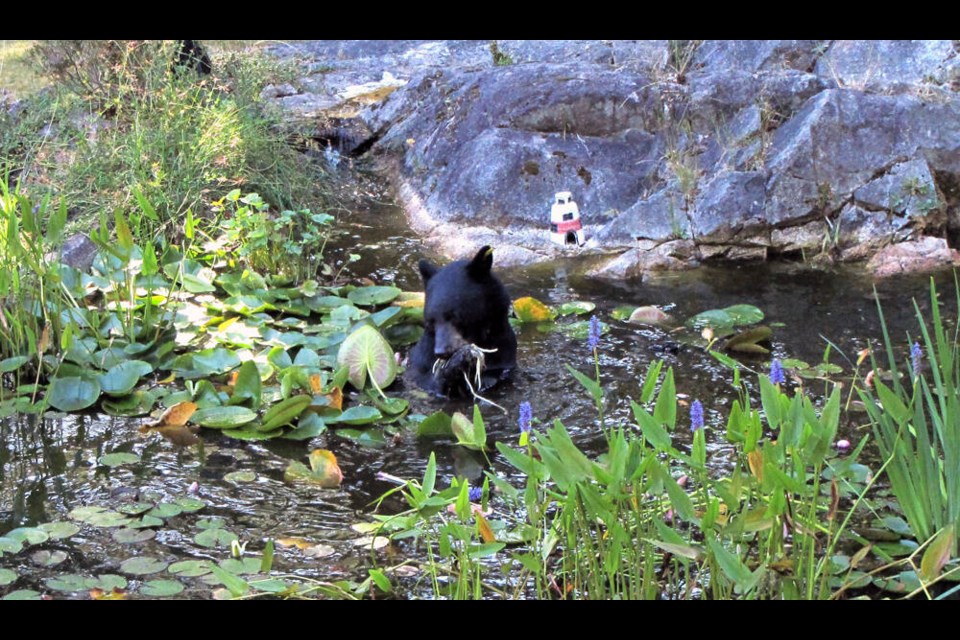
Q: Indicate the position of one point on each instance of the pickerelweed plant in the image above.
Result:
(651, 517)
(915, 413)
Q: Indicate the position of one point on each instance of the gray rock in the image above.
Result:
(78, 251)
(888, 65)
(907, 189)
(755, 55)
(272, 91)
(730, 204)
(637, 262)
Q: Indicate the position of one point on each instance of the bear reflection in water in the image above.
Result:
(468, 343)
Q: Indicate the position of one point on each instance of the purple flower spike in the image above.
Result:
(593, 339)
(776, 372)
(696, 416)
(476, 493)
(916, 357)
(526, 417)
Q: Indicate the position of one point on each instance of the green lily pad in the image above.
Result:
(121, 379)
(165, 510)
(138, 403)
(223, 417)
(68, 583)
(135, 508)
(47, 558)
(216, 537)
(161, 588)
(250, 432)
(23, 594)
(575, 307)
(10, 545)
(365, 437)
(118, 459)
(72, 393)
(12, 364)
(143, 565)
(375, 295)
(145, 522)
(239, 567)
(270, 585)
(7, 577)
(366, 353)
(99, 516)
(239, 477)
(309, 426)
(436, 425)
(189, 505)
(29, 535)
(191, 568)
(127, 535)
(356, 415)
(59, 530)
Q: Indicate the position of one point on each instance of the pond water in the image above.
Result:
(49, 465)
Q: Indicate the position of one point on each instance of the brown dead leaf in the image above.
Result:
(299, 543)
(114, 594)
(484, 528)
(175, 416)
(755, 460)
(316, 383)
(324, 466)
(44, 339)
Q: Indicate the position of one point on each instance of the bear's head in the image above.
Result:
(466, 304)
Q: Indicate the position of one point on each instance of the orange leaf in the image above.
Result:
(44, 339)
(484, 528)
(409, 299)
(114, 594)
(335, 397)
(233, 378)
(324, 465)
(175, 416)
(316, 383)
(531, 310)
(299, 543)
(755, 460)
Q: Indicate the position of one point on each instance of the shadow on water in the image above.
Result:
(49, 466)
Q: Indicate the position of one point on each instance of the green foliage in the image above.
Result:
(916, 421)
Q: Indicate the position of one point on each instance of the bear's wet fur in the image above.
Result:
(465, 305)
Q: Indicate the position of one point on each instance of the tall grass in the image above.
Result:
(916, 419)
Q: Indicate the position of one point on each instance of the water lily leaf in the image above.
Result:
(401, 335)
(7, 577)
(436, 425)
(191, 568)
(324, 470)
(366, 353)
(69, 583)
(622, 312)
(12, 364)
(307, 358)
(190, 505)
(23, 594)
(128, 535)
(138, 403)
(649, 315)
(325, 304)
(239, 477)
(121, 379)
(903, 582)
(143, 565)
(146, 522)
(356, 415)
(410, 300)
(469, 433)
(390, 406)
(251, 432)
(309, 426)
(746, 341)
(223, 417)
(365, 437)
(9, 545)
(135, 508)
(216, 537)
(744, 314)
(165, 510)
(99, 516)
(575, 307)
(241, 566)
(284, 412)
(118, 459)
(715, 318)
(387, 317)
(30, 535)
(72, 394)
(375, 295)
(45, 558)
(529, 309)
(270, 585)
(161, 588)
(59, 530)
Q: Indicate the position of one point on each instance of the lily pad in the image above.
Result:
(575, 307)
(143, 565)
(436, 425)
(191, 568)
(356, 415)
(215, 537)
(12, 364)
(46, 558)
(138, 403)
(161, 588)
(165, 510)
(29, 535)
(189, 505)
(250, 432)
(309, 426)
(118, 459)
(7, 577)
(122, 378)
(240, 477)
(367, 353)
(59, 530)
(127, 535)
(23, 594)
(324, 470)
(223, 417)
(73, 393)
(375, 295)
(365, 437)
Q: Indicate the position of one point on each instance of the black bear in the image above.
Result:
(466, 307)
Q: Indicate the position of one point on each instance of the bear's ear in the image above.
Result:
(482, 263)
(427, 270)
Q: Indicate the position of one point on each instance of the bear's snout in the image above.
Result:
(447, 340)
